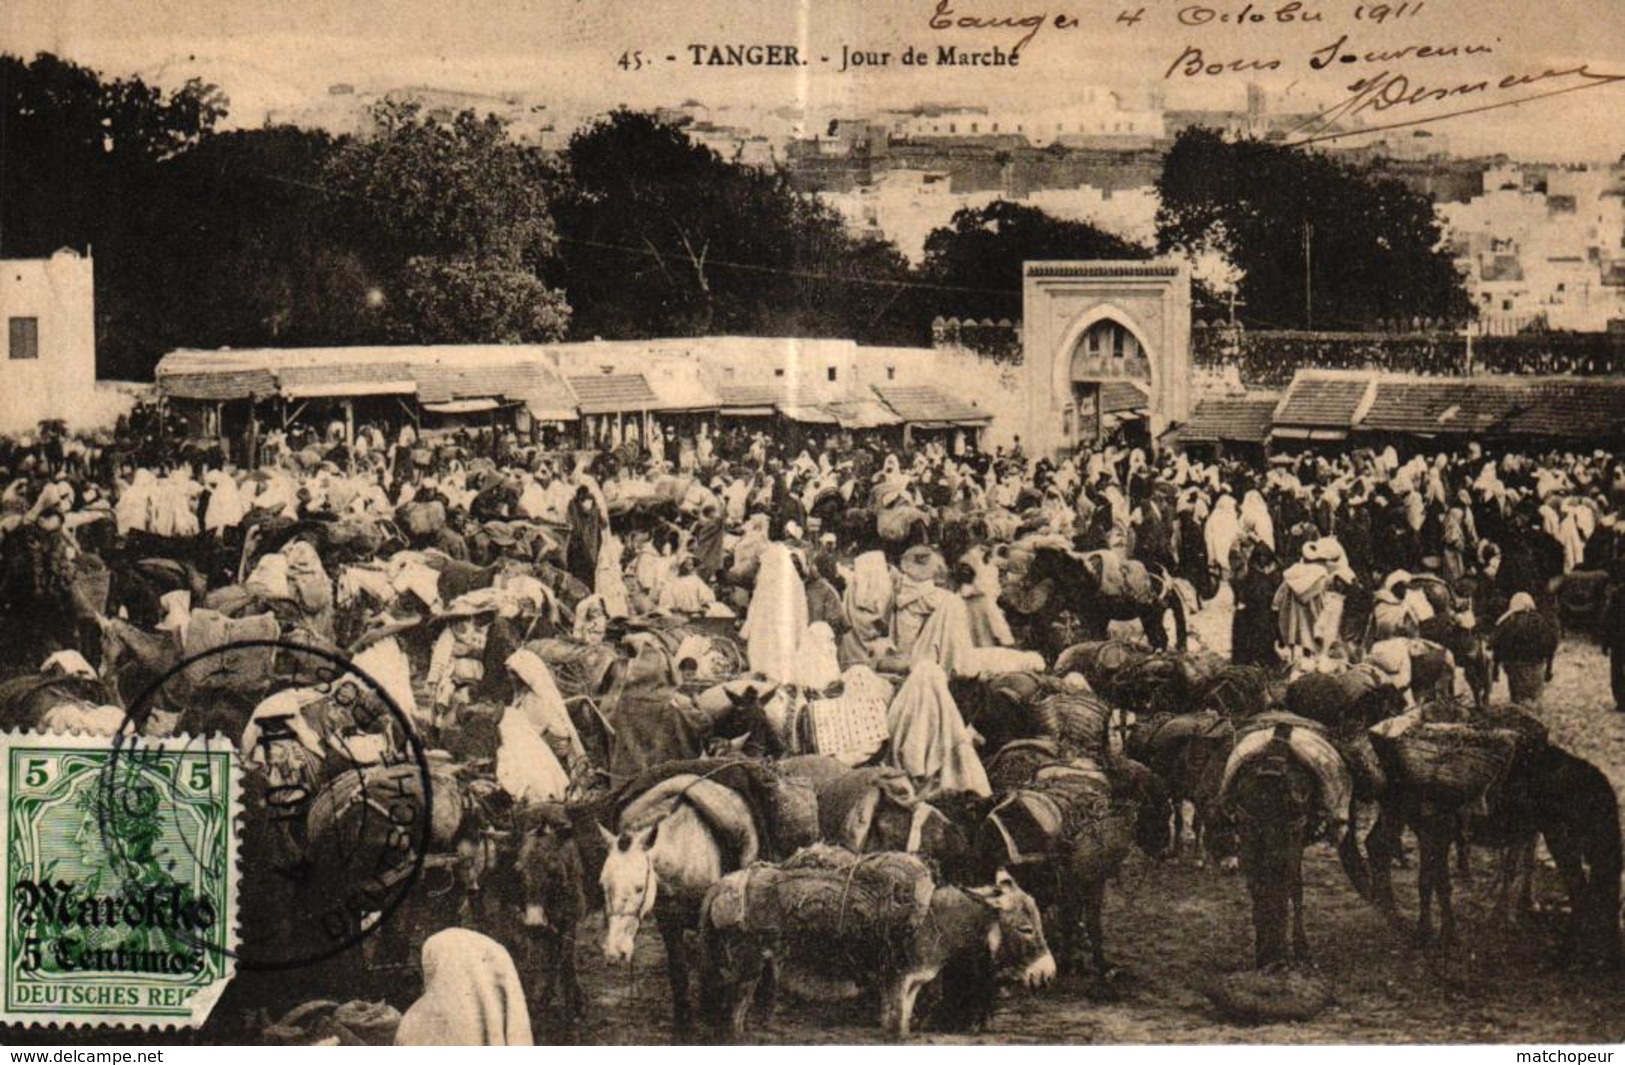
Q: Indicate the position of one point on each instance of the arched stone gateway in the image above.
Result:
(1106, 350)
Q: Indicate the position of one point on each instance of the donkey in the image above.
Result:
(661, 863)
(1275, 801)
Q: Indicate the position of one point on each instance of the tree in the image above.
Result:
(664, 237)
(1313, 240)
(455, 219)
(243, 250)
(469, 301)
(975, 263)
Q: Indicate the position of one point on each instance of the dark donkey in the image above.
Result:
(1572, 806)
(1277, 785)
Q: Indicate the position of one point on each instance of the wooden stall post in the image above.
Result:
(349, 433)
(253, 434)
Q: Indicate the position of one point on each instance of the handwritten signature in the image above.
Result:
(1392, 90)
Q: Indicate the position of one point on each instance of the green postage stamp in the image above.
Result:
(120, 878)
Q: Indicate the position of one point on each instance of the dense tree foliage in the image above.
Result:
(1373, 250)
(455, 216)
(239, 251)
(662, 236)
(974, 264)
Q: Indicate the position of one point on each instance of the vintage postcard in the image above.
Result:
(821, 522)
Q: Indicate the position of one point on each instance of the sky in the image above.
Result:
(279, 54)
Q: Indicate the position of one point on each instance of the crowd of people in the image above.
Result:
(844, 571)
(1499, 531)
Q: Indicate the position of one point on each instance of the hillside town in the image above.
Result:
(1538, 242)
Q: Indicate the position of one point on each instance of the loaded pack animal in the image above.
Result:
(1435, 767)
(335, 841)
(1284, 786)
(1570, 804)
(1457, 627)
(337, 540)
(1011, 707)
(138, 583)
(1063, 597)
(1188, 752)
(679, 828)
(32, 700)
(532, 897)
(1063, 833)
(876, 809)
(825, 923)
(1498, 777)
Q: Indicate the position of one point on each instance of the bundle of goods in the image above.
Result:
(863, 809)
(1448, 765)
(1582, 598)
(1235, 691)
(422, 520)
(238, 668)
(327, 1023)
(844, 911)
(1258, 997)
(1079, 722)
(1055, 809)
(847, 721)
(1100, 661)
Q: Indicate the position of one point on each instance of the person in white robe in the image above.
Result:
(609, 581)
(471, 995)
(225, 508)
(777, 616)
(929, 738)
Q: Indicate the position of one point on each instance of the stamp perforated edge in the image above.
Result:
(203, 1001)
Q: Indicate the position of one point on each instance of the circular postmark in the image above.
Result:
(336, 799)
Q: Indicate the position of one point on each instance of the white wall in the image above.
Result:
(60, 293)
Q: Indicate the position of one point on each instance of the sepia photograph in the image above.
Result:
(707, 522)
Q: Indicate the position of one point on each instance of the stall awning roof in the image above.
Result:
(349, 388)
(1289, 432)
(754, 400)
(808, 415)
(924, 406)
(1443, 405)
(862, 414)
(435, 373)
(611, 392)
(1118, 396)
(1539, 407)
(223, 384)
(309, 380)
(1244, 419)
(1329, 399)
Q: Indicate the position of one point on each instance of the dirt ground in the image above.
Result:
(1171, 927)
